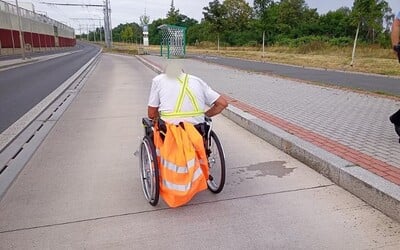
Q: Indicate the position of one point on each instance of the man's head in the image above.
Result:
(173, 68)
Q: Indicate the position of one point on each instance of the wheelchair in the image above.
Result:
(148, 164)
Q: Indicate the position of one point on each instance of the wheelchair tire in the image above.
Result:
(149, 171)
(216, 164)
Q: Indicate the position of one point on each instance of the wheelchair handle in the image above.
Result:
(147, 122)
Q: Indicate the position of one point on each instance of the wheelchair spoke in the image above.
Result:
(216, 163)
(149, 171)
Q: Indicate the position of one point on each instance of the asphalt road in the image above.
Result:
(373, 83)
(23, 87)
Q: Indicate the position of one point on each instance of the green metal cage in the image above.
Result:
(173, 41)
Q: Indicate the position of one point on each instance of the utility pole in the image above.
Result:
(107, 17)
(93, 19)
(87, 34)
(94, 36)
(263, 45)
(22, 43)
(80, 32)
(101, 39)
(107, 24)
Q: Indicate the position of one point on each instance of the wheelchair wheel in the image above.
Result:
(216, 163)
(149, 171)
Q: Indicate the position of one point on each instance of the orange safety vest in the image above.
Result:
(181, 156)
(182, 162)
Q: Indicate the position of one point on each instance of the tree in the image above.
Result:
(287, 22)
(127, 33)
(173, 14)
(337, 23)
(215, 14)
(268, 21)
(237, 22)
(199, 32)
(173, 17)
(238, 14)
(369, 16)
(154, 37)
(261, 6)
(292, 15)
(185, 21)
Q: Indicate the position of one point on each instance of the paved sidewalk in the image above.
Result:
(81, 188)
(351, 128)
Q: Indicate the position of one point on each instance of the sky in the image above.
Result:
(127, 11)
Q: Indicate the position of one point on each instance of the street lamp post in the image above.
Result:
(20, 31)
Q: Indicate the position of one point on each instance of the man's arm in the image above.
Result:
(152, 112)
(219, 105)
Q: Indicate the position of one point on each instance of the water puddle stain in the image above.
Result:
(248, 173)
(272, 168)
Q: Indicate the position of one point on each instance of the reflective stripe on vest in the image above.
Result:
(173, 167)
(185, 91)
(183, 188)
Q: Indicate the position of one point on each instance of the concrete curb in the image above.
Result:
(149, 64)
(374, 190)
(18, 63)
(31, 60)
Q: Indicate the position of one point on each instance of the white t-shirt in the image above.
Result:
(164, 95)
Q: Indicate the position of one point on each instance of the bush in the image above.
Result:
(252, 44)
(311, 46)
(341, 41)
(206, 44)
(283, 41)
(305, 44)
(308, 40)
(384, 40)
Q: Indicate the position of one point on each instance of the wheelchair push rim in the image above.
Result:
(149, 171)
(216, 164)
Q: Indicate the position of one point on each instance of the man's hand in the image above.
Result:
(152, 112)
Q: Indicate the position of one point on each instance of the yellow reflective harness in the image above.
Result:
(185, 91)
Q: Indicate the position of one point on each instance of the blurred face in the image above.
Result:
(173, 69)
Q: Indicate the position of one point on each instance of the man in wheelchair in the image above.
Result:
(178, 97)
(177, 107)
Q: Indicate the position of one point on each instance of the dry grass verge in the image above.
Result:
(367, 60)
